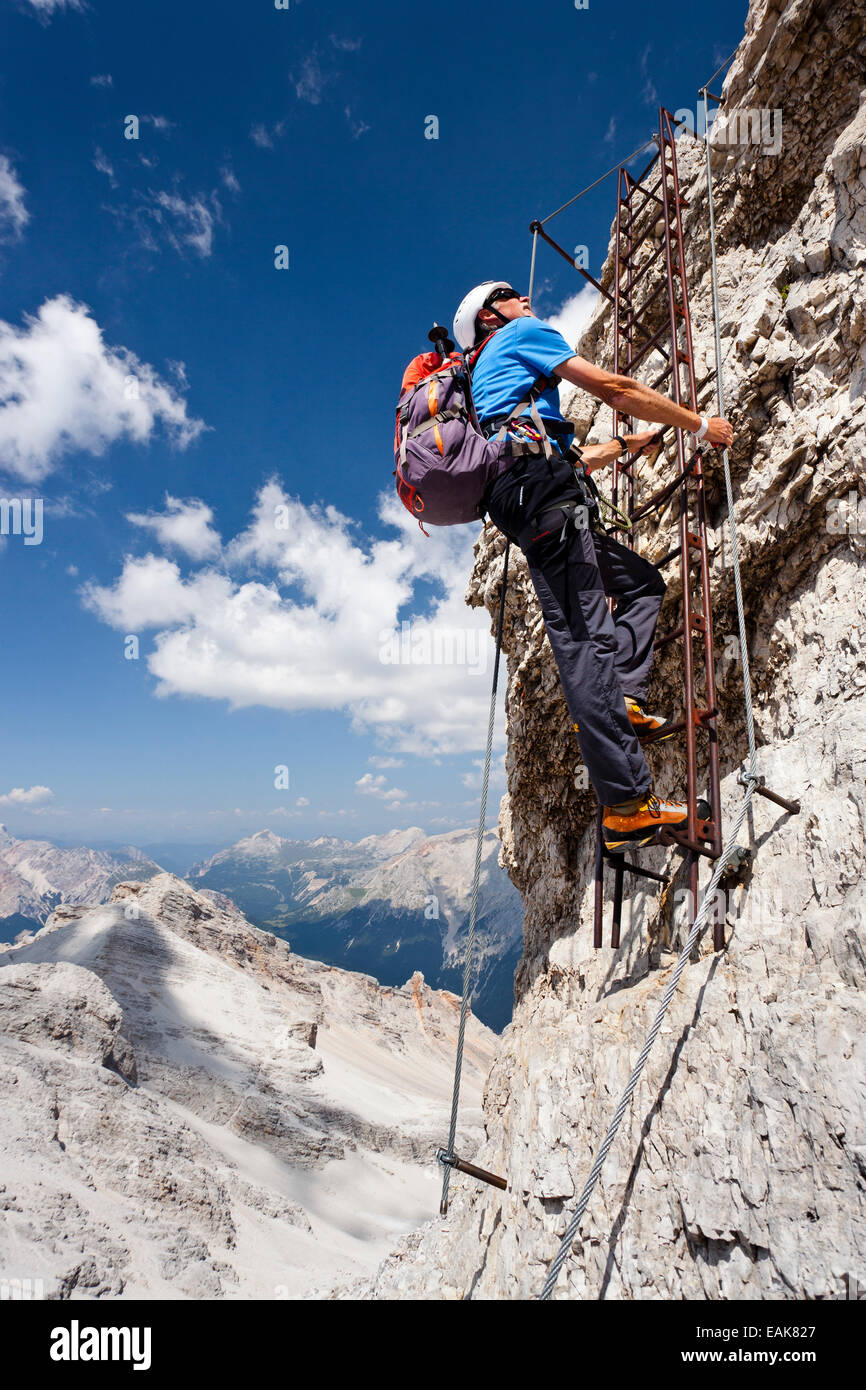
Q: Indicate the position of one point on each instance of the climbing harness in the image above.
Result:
(569, 512)
(579, 507)
(609, 517)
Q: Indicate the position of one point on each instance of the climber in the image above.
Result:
(603, 660)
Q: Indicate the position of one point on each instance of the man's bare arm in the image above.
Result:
(595, 456)
(632, 398)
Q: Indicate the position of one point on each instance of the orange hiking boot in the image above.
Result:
(643, 722)
(636, 822)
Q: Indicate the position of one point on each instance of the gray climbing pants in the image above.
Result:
(601, 656)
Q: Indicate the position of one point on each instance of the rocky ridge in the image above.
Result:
(740, 1169)
(35, 876)
(191, 1110)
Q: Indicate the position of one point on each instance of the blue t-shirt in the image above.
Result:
(511, 363)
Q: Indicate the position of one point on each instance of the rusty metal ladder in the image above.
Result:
(645, 203)
(661, 323)
(649, 208)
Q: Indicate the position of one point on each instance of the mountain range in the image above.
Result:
(37, 876)
(386, 905)
(383, 902)
(192, 1111)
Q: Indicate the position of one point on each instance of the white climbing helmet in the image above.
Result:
(469, 309)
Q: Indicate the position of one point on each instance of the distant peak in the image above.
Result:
(261, 840)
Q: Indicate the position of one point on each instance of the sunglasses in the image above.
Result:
(496, 295)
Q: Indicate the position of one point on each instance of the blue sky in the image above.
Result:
(210, 436)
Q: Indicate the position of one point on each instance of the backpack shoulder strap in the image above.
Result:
(528, 402)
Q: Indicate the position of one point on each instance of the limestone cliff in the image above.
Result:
(740, 1168)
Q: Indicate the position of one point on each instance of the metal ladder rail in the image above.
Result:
(702, 837)
(694, 483)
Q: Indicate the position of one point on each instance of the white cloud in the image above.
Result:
(32, 796)
(104, 165)
(151, 593)
(62, 389)
(310, 82)
(379, 761)
(180, 221)
(357, 128)
(315, 629)
(611, 131)
(13, 214)
(183, 526)
(473, 780)
(649, 94)
(302, 801)
(230, 180)
(571, 319)
(187, 221)
(102, 79)
(368, 785)
(320, 69)
(45, 8)
(264, 138)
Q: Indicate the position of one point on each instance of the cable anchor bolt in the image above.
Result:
(452, 1161)
(747, 779)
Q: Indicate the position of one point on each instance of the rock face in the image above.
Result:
(740, 1169)
(190, 1110)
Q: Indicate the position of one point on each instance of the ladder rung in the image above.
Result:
(644, 205)
(653, 343)
(639, 241)
(666, 559)
(644, 873)
(697, 623)
(635, 317)
(645, 267)
(701, 720)
(676, 728)
(675, 837)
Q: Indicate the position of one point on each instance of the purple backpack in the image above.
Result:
(444, 463)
